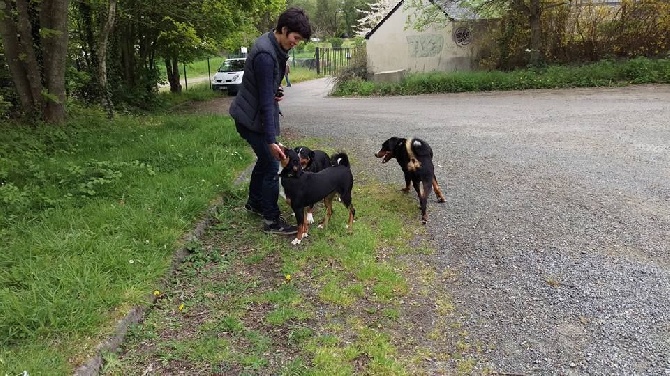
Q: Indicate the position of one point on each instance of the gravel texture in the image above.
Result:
(557, 220)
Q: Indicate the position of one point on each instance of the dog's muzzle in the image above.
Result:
(385, 155)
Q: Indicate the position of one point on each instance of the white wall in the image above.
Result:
(391, 48)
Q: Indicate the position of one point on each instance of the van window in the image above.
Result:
(232, 66)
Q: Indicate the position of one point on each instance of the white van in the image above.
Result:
(229, 75)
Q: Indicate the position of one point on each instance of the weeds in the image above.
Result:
(603, 73)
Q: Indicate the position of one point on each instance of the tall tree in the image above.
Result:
(202, 28)
(326, 16)
(103, 41)
(352, 11)
(35, 38)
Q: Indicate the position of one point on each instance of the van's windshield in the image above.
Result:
(232, 66)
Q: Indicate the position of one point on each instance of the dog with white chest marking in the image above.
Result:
(303, 188)
(312, 161)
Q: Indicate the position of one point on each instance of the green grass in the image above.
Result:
(331, 305)
(201, 69)
(300, 74)
(90, 216)
(603, 73)
(92, 213)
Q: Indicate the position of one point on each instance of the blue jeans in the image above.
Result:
(264, 184)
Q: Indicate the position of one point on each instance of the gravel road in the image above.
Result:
(557, 220)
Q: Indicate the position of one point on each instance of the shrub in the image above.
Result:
(357, 70)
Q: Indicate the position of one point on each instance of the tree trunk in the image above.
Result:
(12, 48)
(533, 11)
(20, 55)
(106, 97)
(54, 20)
(40, 87)
(172, 68)
(88, 39)
(534, 18)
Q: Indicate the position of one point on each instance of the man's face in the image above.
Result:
(289, 40)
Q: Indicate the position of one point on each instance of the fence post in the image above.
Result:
(185, 79)
(209, 73)
(317, 60)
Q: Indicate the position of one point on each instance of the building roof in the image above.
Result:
(451, 9)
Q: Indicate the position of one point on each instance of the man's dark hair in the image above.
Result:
(295, 20)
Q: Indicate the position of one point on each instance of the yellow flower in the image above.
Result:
(181, 307)
(288, 278)
(157, 293)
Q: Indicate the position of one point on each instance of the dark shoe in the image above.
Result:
(279, 226)
(253, 210)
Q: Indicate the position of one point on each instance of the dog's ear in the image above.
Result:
(285, 161)
(311, 155)
(399, 143)
(392, 143)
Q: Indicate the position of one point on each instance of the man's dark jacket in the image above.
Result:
(260, 113)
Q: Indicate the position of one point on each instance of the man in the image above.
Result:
(255, 110)
(288, 70)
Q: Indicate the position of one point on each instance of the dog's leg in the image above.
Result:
(408, 181)
(346, 201)
(438, 191)
(302, 225)
(310, 217)
(328, 203)
(306, 223)
(352, 214)
(424, 190)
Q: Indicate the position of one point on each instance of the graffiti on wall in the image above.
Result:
(427, 45)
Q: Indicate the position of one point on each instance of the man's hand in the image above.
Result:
(277, 151)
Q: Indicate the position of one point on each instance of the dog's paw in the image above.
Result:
(310, 218)
(296, 241)
(320, 225)
(441, 200)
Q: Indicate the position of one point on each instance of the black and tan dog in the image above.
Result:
(312, 161)
(415, 157)
(304, 188)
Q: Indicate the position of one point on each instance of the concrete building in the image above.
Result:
(394, 48)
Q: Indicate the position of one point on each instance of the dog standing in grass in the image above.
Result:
(303, 188)
(415, 158)
(312, 161)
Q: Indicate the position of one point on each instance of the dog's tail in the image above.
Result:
(340, 159)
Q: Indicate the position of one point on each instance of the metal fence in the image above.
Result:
(330, 60)
(327, 61)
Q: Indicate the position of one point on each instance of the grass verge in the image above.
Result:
(602, 73)
(90, 216)
(94, 211)
(245, 303)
